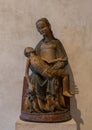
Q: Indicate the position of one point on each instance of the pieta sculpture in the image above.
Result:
(46, 91)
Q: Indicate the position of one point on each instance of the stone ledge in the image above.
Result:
(23, 125)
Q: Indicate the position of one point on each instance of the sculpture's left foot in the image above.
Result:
(67, 94)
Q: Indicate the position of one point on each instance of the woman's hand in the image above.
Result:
(58, 65)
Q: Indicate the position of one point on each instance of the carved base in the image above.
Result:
(46, 117)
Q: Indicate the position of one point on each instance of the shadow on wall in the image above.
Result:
(75, 112)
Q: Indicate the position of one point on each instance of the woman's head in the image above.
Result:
(45, 20)
(43, 26)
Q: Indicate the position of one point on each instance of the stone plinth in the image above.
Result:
(23, 125)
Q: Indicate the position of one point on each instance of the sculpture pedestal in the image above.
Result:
(23, 125)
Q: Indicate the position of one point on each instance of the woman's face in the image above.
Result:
(43, 28)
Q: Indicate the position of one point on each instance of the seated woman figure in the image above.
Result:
(47, 78)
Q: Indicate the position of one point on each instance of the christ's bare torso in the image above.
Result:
(37, 64)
